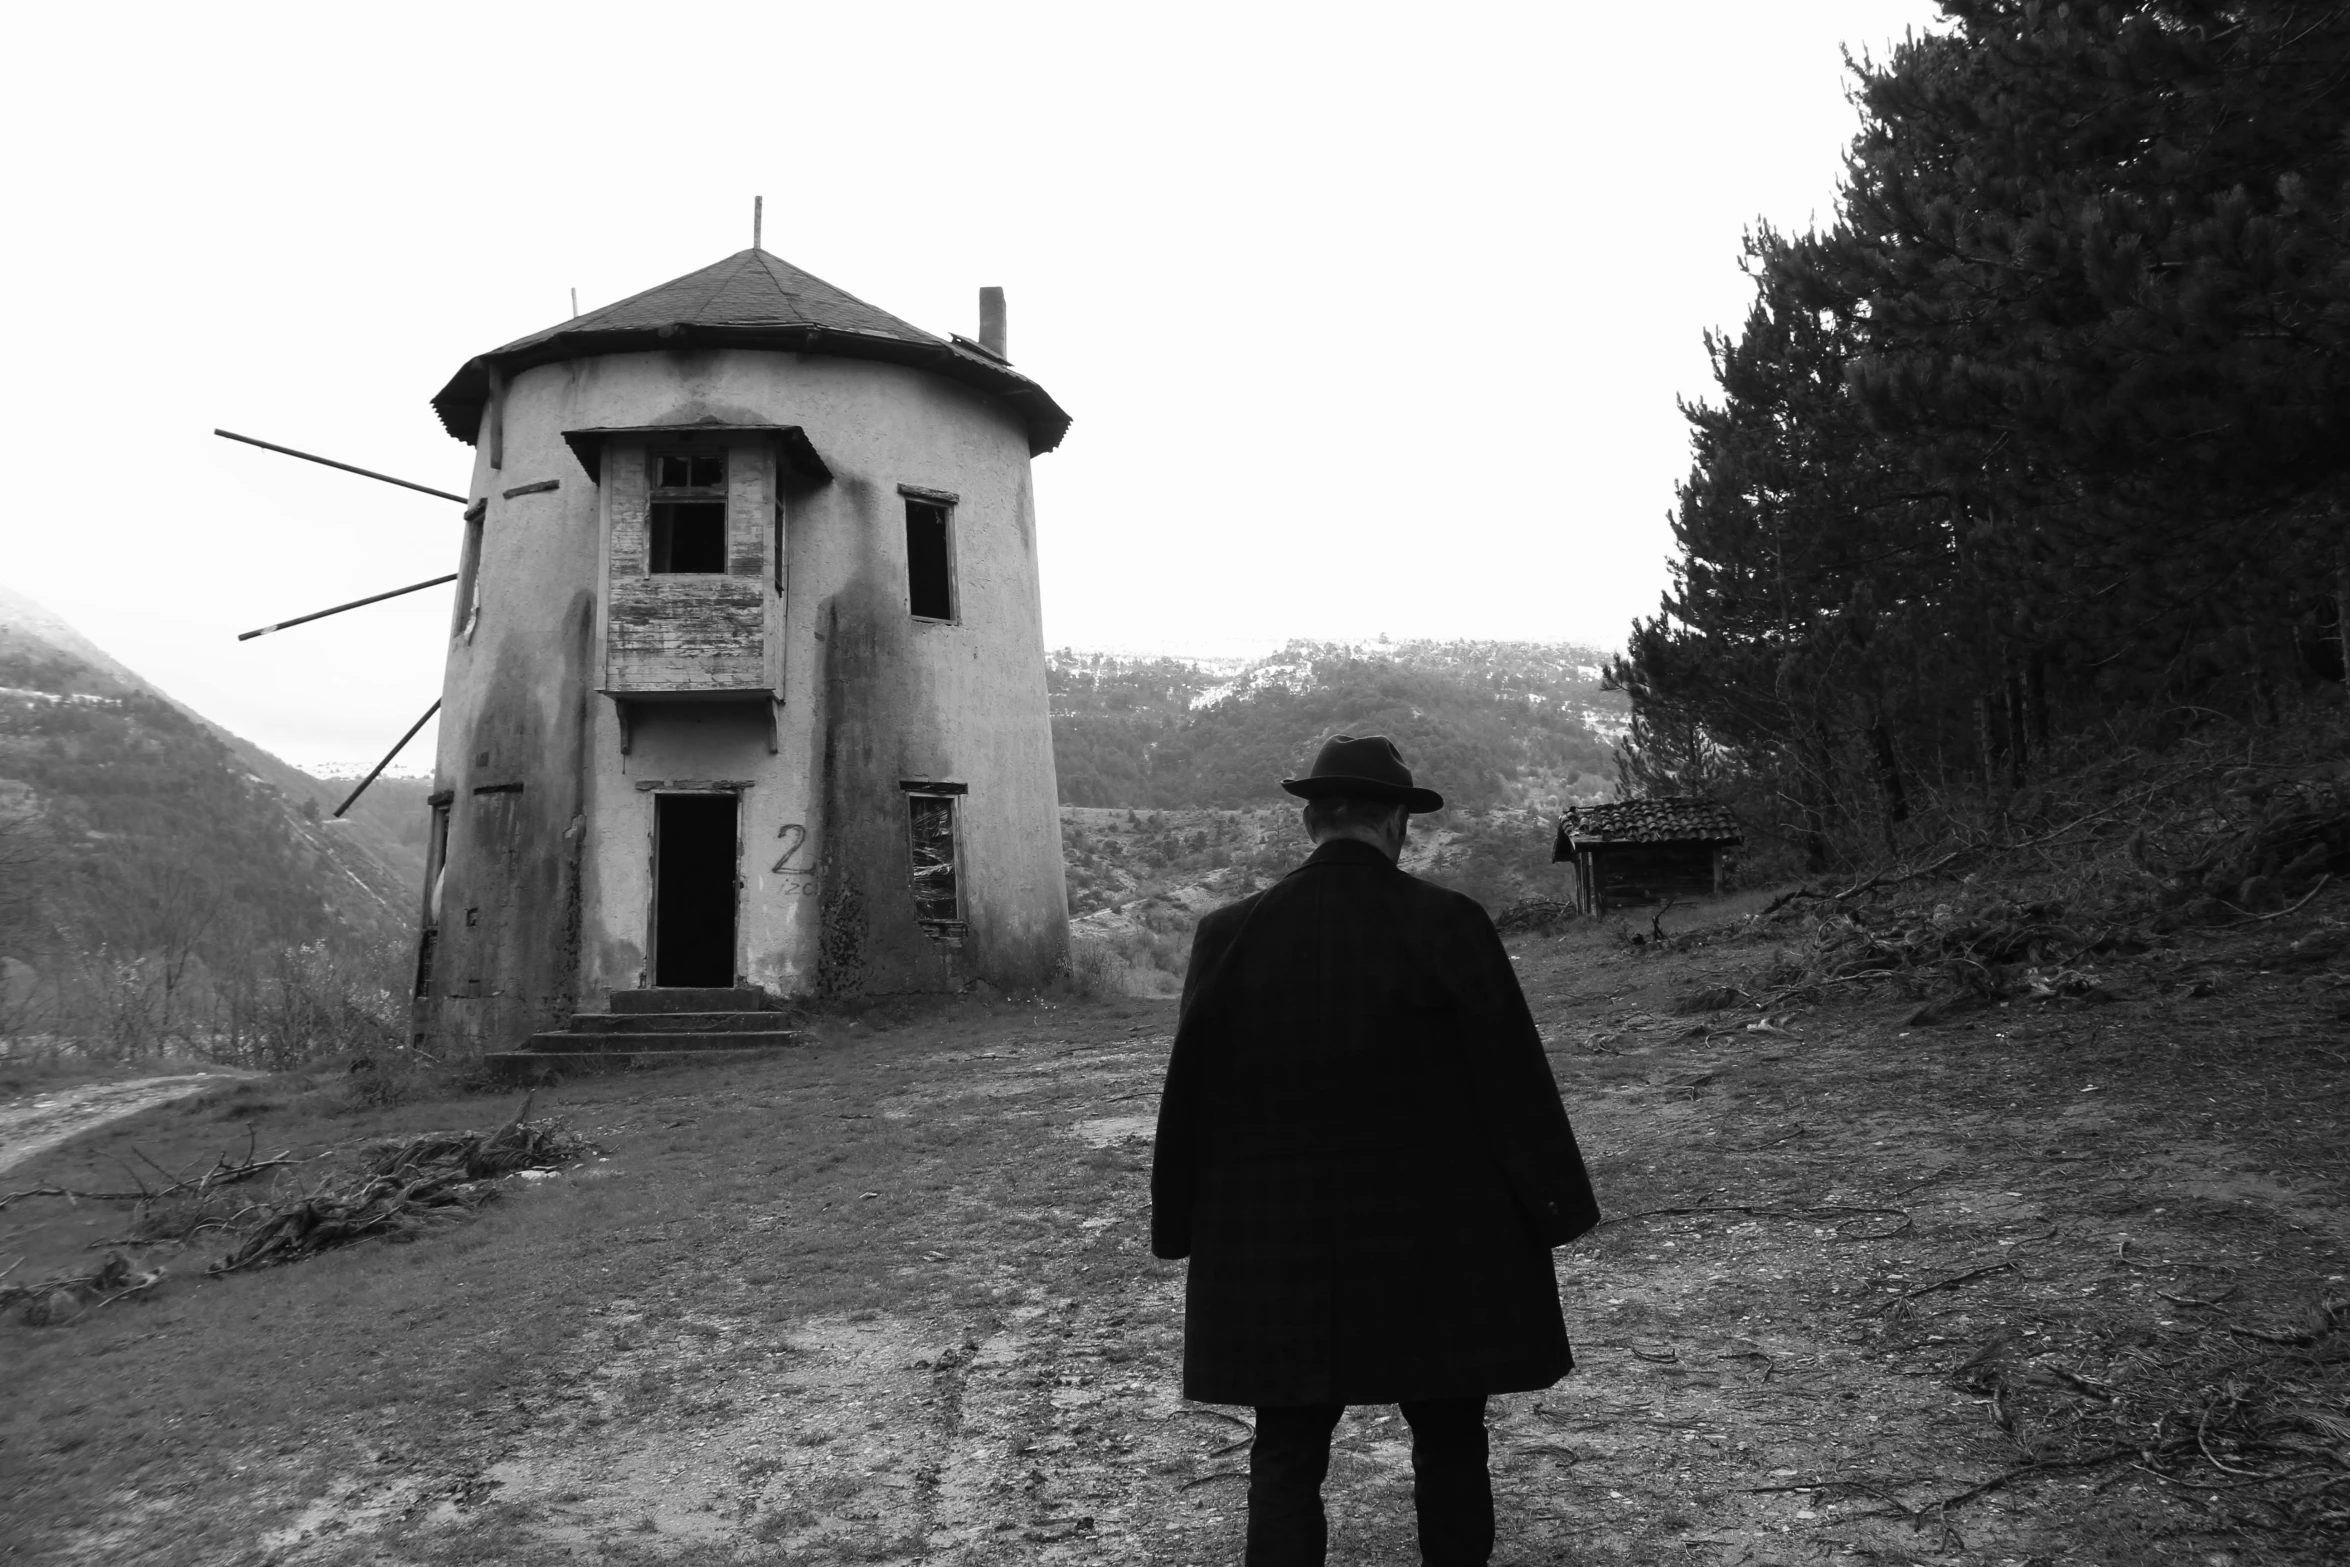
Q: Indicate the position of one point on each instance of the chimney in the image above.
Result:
(991, 322)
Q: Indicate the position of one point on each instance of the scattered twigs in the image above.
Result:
(70, 1196)
(1951, 1283)
(1874, 1486)
(395, 1187)
(1248, 1433)
(1792, 991)
(2203, 1445)
(224, 1172)
(2294, 907)
(67, 1295)
(1805, 1214)
(2261, 1408)
(1895, 874)
(2211, 1304)
(2025, 1471)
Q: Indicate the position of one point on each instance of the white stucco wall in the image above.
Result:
(963, 702)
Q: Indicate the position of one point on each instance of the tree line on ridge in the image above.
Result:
(2040, 443)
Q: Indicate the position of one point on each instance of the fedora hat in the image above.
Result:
(1367, 769)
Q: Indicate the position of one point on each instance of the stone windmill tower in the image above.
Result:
(746, 684)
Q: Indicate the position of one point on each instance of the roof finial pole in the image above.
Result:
(758, 218)
(575, 302)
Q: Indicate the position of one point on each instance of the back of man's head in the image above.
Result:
(1344, 815)
(1383, 824)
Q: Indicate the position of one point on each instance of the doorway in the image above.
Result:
(693, 889)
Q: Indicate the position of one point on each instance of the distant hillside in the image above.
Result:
(1490, 724)
(135, 828)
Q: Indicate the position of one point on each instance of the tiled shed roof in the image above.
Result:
(1676, 818)
(751, 300)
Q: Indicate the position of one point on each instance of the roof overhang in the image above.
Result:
(462, 402)
(797, 453)
(1570, 843)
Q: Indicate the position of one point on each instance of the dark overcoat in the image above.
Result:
(1362, 1150)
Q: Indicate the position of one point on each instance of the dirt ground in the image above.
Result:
(39, 1122)
(1867, 1293)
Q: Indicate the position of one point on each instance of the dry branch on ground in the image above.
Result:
(224, 1172)
(392, 1187)
(402, 1186)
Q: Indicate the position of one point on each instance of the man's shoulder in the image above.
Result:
(1223, 921)
(1422, 902)
(1440, 902)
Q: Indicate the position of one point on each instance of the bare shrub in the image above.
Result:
(1133, 962)
(315, 1002)
(1092, 967)
(27, 859)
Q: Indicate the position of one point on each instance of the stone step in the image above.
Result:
(633, 1042)
(691, 998)
(545, 1066)
(677, 1022)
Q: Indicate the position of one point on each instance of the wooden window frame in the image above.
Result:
(951, 795)
(947, 503)
(658, 495)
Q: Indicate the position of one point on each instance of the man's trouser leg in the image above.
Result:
(1451, 1487)
(1285, 1468)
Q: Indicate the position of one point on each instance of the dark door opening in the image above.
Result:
(693, 889)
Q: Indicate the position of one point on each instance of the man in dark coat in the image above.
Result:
(1362, 1151)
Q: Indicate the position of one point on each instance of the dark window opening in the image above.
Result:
(689, 514)
(467, 605)
(694, 852)
(930, 574)
(436, 870)
(931, 820)
(688, 536)
(691, 473)
(424, 945)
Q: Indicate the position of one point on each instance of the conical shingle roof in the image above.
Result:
(751, 300)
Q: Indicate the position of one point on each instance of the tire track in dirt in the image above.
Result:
(31, 1126)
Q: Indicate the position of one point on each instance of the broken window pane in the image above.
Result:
(931, 819)
(930, 579)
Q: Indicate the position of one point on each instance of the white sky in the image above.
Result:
(1371, 317)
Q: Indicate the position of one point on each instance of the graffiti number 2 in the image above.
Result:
(794, 837)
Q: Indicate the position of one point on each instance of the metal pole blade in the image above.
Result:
(388, 755)
(365, 473)
(299, 620)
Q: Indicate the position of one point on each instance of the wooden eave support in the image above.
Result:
(798, 459)
(625, 703)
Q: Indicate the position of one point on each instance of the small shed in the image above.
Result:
(1644, 851)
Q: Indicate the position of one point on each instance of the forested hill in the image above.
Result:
(1488, 723)
(130, 826)
(2040, 449)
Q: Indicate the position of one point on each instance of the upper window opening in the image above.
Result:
(692, 473)
(930, 570)
(689, 514)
